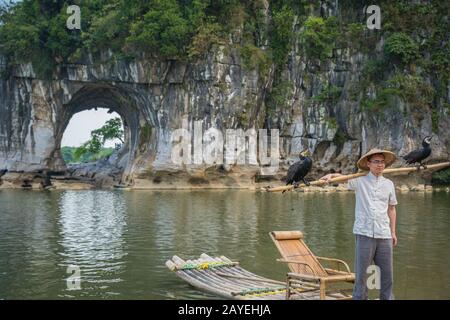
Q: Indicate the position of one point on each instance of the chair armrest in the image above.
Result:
(337, 261)
(340, 278)
(335, 278)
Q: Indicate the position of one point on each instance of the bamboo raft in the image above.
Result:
(345, 178)
(222, 277)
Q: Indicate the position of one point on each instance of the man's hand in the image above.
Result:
(326, 178)
(330, 176)
(394, 239)
(392, 213)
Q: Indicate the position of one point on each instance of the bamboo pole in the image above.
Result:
(359, 174)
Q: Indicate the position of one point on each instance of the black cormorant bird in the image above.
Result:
(299, 170)
(420, 154)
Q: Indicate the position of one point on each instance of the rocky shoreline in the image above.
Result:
(103, 175)
(15, 180)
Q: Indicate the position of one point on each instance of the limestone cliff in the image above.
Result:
(322, 110)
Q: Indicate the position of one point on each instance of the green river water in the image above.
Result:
(120, 240)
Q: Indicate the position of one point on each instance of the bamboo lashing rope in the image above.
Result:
(345, 178)
(258, 292)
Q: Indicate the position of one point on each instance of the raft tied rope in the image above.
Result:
(205, 265)
(262, 291)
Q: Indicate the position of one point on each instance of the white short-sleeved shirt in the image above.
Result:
(373, 195)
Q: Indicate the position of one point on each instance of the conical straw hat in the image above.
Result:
(389, 158)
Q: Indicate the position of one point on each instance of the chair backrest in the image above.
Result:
(292, 247)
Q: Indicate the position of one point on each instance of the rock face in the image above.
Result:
(155, 98)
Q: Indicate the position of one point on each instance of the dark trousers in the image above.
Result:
(379, 251)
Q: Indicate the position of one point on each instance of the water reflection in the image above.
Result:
(92, 224)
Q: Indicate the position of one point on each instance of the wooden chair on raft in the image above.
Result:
(307, 272)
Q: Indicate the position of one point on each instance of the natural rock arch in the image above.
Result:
(104, 96)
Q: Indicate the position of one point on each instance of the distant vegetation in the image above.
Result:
(441, 177)
(69, 155)
(93, 149)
